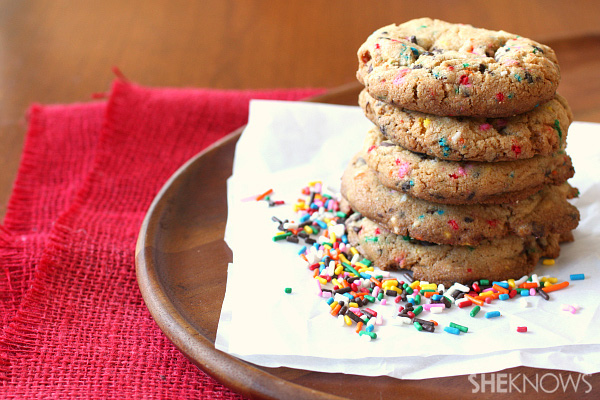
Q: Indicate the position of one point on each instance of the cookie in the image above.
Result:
(500, 259)
(453, 182)
(541, 214)
(441, 68)
(542, 131)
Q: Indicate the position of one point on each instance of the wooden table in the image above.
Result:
(63, 51)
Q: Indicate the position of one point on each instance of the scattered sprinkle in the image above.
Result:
(492, 314)
(265, 194)
(349, 284)
(454, 331)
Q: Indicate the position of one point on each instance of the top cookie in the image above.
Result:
(448, 69)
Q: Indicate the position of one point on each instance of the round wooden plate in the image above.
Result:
(181, 264)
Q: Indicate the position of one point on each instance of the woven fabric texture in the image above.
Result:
(74, 324)
(51, 171)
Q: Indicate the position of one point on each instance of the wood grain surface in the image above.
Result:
(63, 51)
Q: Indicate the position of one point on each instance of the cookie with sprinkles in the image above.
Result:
(541, 214)
(542, 131)
(454, 182)
(442, 68)
(497, 260)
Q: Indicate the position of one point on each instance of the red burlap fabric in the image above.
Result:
(74, 324)
(59, 151)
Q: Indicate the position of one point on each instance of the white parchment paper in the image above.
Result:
(288, 144)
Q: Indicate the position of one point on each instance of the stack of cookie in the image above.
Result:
(463, 175)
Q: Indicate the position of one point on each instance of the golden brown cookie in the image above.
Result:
(500, 259)
(542, 131)
(541, 214)
(441, 68)
(454, 182)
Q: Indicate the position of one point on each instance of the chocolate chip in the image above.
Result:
(365, 57)
(528, 77)
(537, 230)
